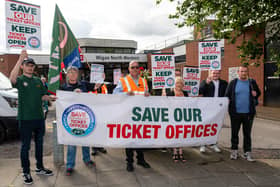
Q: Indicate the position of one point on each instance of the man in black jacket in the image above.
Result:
(243, 94)
(213, 86)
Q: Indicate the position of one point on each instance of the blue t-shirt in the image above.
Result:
(242, 96)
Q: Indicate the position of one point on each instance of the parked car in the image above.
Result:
(8, 108)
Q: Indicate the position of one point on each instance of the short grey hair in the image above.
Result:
(72, 68)
(133, 61)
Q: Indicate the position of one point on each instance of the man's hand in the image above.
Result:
(23, 55)
(77, 90)
(254, 93)
(49, 97)
(131, 93)
(208, 80)
(146, 94)
(97, 85)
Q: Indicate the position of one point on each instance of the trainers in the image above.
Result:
(90, 164)
(27, 179)
(248, 157)
(129, 167)
(234, 155)
(216, 148)
(43, 171)
(69, 171)
(202, 149)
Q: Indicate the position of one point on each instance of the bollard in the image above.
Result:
(58, 149)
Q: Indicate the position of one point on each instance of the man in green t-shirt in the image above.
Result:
(31, 93)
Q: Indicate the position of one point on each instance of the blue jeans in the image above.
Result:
(27, 128)
(71, 155)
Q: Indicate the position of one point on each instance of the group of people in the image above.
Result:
(242, 93)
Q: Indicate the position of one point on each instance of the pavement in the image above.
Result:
(209, 169)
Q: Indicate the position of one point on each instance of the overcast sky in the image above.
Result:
(139, 20)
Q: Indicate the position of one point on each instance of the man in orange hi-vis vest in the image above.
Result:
(133, 84)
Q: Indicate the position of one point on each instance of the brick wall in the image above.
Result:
(8, 63)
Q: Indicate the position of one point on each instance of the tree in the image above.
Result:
(232, 18)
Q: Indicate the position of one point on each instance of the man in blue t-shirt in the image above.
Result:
(242, 93)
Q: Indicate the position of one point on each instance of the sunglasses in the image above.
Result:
(134, 67)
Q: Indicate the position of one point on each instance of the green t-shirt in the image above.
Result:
(30, 92)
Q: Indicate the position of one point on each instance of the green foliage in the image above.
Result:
(234, 15)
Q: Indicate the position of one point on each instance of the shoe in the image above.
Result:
(202, 149)
(129, 167)
(234, 155)
(248, 157)
(27, 179)
(69, 171)
(164, 150)
(181, 156)
(175, 157)
(216, 148)
(144, 164)
(102, 150)
(94, 153)
(90, 164)
(43, 171)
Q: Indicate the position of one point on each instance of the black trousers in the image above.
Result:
(129, 155)
(27, 128)
(247, 122)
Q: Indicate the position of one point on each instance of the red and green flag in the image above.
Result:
(64, 52)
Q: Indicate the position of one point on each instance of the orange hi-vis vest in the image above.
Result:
(104, 90)
(129, 85)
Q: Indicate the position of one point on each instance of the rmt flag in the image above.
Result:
(65, 50)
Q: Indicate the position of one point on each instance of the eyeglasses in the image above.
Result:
(134, 67)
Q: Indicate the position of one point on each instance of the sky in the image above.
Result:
(140, 20)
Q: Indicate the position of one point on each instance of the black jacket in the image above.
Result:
(172, 93)
(208, 90)
(72, 87)
(230, 93)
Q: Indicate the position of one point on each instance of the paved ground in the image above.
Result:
(210, 169)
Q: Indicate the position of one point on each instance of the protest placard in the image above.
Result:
(23, 25)
(209, 55)
(163, 71)
(191, 78)
(97, 73)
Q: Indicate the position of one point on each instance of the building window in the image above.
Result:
(108, 50)
(207, 32)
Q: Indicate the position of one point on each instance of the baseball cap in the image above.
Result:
(28, 60)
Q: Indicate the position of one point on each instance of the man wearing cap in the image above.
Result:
(131, 85)
(31, 93)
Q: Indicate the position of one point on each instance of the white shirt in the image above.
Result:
(216, 85)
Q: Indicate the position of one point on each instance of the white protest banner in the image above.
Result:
(191, 78)
(232, 73)
(97, 73)
(209, 55)
(163, 71)
(23, 25)
(117, 75)
(137, 121)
